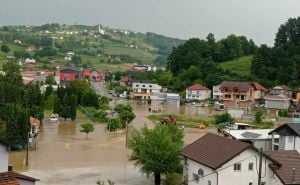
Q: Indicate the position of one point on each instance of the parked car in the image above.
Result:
(54, 118)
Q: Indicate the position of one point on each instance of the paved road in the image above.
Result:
(99, 87)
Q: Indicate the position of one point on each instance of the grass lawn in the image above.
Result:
(240, 66)
(184, 120)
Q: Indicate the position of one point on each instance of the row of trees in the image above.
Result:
(281, 63)
(18, 102)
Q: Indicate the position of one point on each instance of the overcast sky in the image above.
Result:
(256, 19)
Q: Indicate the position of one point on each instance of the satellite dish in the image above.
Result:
(200, 172)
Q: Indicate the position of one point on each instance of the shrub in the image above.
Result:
(114, 124)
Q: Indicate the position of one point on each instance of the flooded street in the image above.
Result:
(65, 157)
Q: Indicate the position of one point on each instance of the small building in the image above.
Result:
(198, 92)
(217, 160)
(259, 138)
(97, 75)
(287, 171)
(3, 156)
(289, 136)
(69, 74)
(30, 48)
(30, 61)
(86, 74)
(281, 89)
(274, 103)
(126, 81)
(144, 89)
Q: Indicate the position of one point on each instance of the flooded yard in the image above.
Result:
(65, 157)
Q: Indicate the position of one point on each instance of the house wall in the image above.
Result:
(228, 176)
(275, 180)
(264, 144)
(145, 88)
(25, 182)
(277, 104)
(217, 94)
(193, 167)
(3, 158)
(289, 143)
(198, 94)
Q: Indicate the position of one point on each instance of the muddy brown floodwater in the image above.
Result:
(65, 157)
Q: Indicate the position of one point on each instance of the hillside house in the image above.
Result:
(126, 81)
(198, 92)
(216, 160)
(239, 94)
(289, 136)
(69, 74)
(143, 89)
(280, 98)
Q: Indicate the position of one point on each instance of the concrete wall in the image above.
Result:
(3, 158)
(289, 143)
(277, 104)
(264, 144)
(25, 182)
(227, 175)
(193, 167)
(235, 112)
(198, 95)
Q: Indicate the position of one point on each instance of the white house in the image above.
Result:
(274, 103)
(144, 89)
(289, 136)
(30, 61)
(259, 138)
(3, 156)
(216, 160)
(13, 178)
(197, 92)
(217, 94)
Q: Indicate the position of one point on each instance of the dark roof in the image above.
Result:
(142, 81)
(241, 86)
(288, 160)
(8, 178)
(288, 129)
(213, 150)
(198, 87)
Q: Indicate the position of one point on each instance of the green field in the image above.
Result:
(240, 66)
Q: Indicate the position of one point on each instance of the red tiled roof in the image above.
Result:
(197, 87)
(87, 72)
(125, 79)
(288, 160)
(258, 86)
(35, 122)
(8, 178)
(241, 86)
(213, 150)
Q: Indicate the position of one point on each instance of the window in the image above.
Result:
(237, 167)
(263, 183)
(250, 183)
(209, 182)
(143, 85)
(243, 97)
(227, 95)
(196, 177)
(237, 96)
(150, 85)
(250, 166)
(136, 85)
(185, 161)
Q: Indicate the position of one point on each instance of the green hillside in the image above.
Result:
(97, 46)
(240, 66)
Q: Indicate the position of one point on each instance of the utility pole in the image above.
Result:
(126, 133)
(260, 165)
(27, 148)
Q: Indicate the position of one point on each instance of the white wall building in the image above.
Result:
(144, 89)
(197, 92)
(217, 94)
(289, 136)
(215, 160)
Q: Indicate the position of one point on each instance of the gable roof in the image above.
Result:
(287, 129)
(24, 177)
(197, 87)
(8, 178)
(241, 86)
(258, 86)
(125, 79)
(277, 97)
(288, 160)
(284, 87)
(213, 151)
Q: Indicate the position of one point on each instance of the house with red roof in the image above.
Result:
(13, 178)
(126, 81)
(86, 74)
(197, 92)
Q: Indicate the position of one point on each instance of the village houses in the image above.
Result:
(197, 92)
(143, 89)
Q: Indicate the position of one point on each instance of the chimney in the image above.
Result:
(10, 168)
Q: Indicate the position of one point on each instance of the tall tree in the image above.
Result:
(157, 151)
